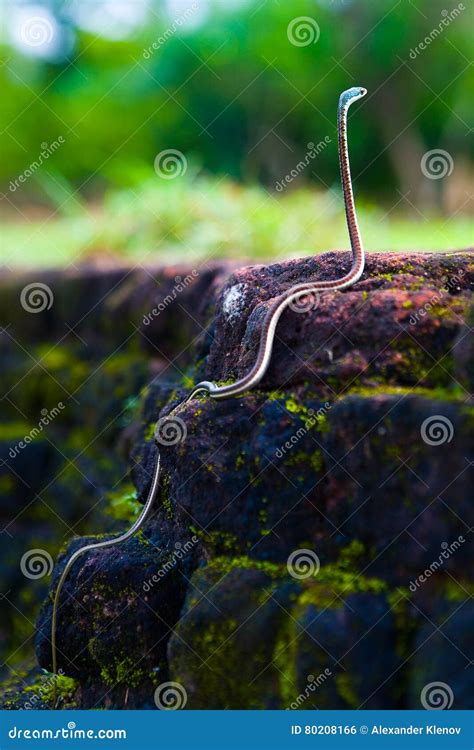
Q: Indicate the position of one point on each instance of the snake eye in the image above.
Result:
(362, 91)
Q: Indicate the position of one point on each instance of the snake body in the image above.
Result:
(281, 302)
(267, 336)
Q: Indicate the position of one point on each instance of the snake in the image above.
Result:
(267, 336)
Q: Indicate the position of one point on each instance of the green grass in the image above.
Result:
(199, 218)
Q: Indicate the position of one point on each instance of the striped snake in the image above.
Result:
(267, 336)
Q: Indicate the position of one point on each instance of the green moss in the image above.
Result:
(54, 358)
(322, 424)
(47, 688)
(332, 584)
(444, 393)
(346, 689)
(7, 483)
(319, 590)
(226, 564)
(240, 460)
(188, 382)
(222, 669)
(274, 395)
(219, 672)
(168, 506)
(458, 590)
(123, 505)
(301, 460)
(143, 540)
(351, 556)
(285, 660)
(14, 431)
(122, 671)
(294, 408)
(217, 541)
(149, 433)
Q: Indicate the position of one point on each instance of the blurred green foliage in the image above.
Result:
(197, 219)
(229, 90)
(234, 92)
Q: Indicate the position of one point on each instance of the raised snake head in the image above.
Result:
(351, 95)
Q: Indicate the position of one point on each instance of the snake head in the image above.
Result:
(351, 95)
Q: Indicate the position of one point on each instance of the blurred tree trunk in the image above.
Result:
(405, 148)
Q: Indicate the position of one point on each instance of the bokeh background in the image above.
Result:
(94, 90)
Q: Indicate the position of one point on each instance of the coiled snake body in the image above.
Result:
(265, 348)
